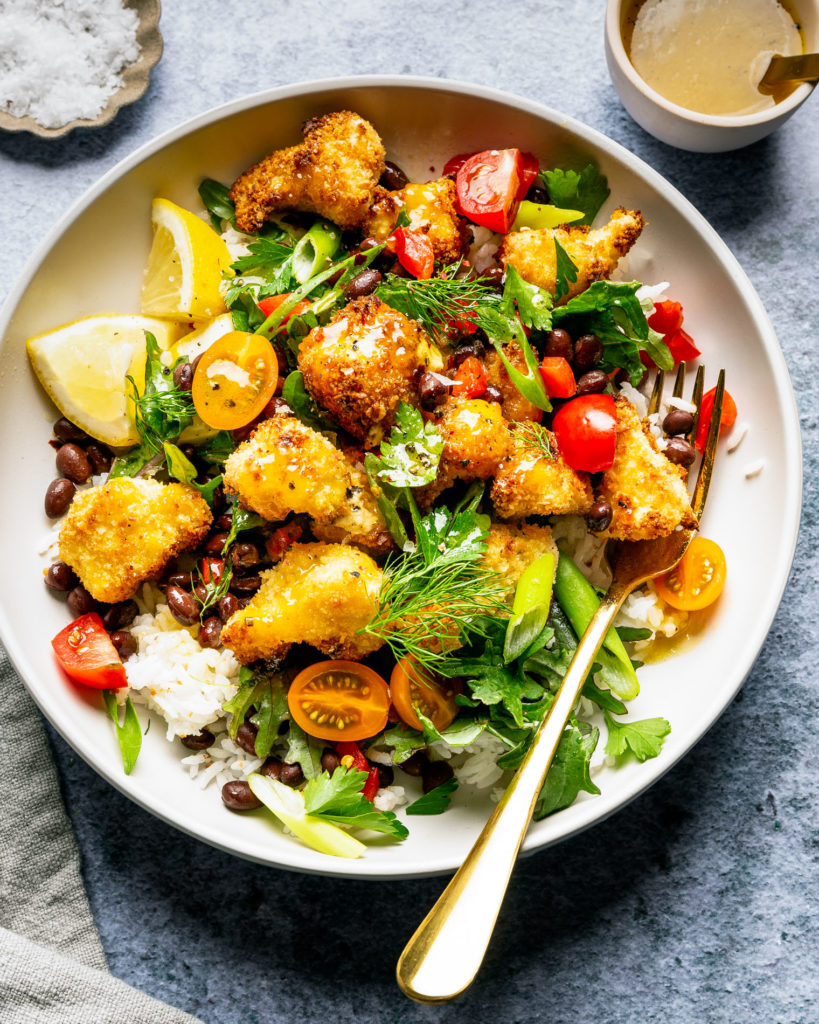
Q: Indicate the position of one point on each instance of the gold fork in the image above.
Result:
(443, 956)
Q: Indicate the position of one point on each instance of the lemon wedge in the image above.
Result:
(83, 365)
(185, 266)
(196, 342)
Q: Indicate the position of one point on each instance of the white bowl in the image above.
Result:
(686, 129)
(92, 261)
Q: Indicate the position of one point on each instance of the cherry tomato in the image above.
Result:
(681, 346)
(696, 581)
(487, 186)
(86, 653)
(339, 700)
(558, 377)
(726, 420)
(414, 252)
(455, 163)
(281, 539)
(470, 380)
(531, 165)
(361, 764)
(586, 431)
(272, 303)
(234, 380)
(212, 570)
(667, 317)
(433, 696)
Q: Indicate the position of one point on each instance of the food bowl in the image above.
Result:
(105, 238)
(687, 129)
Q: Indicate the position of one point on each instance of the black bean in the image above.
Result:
(73, 463)
(182, 606)
(215, 543)
(588, 351)
(559, 343)
(238, 796)
(243, 602)
(245, 556)
(436, 773)
(245, 584)
(119, 615)
(329, 760)
(125, 643)
(228, 605)
(362, 284)
(211, 632)
(416, 764)
(272, 768)
(678, 421)
(80, 602)
(623, 377)
(67, 431)
(60, 577)
(200, 592)
(188, 451)
(291, 775)
(180, 579)
(183, 376)
(59, 495)
(99, 457)
(592, 383)
(431, 390)
(246, 736)
(393, 177)
(223, 522)
(493, 276)
(493, 394)
(538, 194)
(386, 776)
(599, 516)
(680, 452)
(276, 407)
(467, 350)
(199, 741)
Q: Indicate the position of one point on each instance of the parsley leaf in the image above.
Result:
(411, 455)
(565, 271)
(569, 772)
(338, 798)
(644, 738)
(534, 304)
(570, 190)
(162, 411)
(267, 258)
(436, 801)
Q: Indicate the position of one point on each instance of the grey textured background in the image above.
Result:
(695, 903)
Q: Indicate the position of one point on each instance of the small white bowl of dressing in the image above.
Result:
(686, 70)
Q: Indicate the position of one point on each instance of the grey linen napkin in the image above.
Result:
(52, 966)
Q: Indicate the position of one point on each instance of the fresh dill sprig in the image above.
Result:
(214, 592)
(439, 301)
(159, 407)
(535, 438)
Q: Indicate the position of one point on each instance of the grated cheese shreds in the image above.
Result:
(62, 59)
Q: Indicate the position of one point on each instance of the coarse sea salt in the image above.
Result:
(63, 59)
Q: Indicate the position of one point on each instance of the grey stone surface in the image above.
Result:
(698, 902)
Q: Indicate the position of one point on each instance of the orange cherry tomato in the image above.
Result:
(234, 380)
(697, 579)
(339, 700)
(726, 420)
(433, 696)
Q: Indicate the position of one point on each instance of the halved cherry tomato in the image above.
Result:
(455, 163)
(681, 346)
(528, 173)
(697, 579)
(557, 377)
(414, 252)
(212, 570)
(413, 690)
(586, 431)
(361, 764)
(281, 539)
(272, 303)
(234, 380)
(339, 700)
(667, 317)
(86, 653)
(487, 187)
(726, 420)
(470, 380)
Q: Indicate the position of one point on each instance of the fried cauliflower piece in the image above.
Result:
(333, 173)
(319, 594)
(595, 253)
(515, 407)
(360, 521)
(528, 483)
(118, 535)
(362, 365)
(286, 466)
(431, 210)
(511, 548)
(647, 493)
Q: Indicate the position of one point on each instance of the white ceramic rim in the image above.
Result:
(618, 51)
(780, 382)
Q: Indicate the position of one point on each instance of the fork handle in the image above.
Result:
(443, 956)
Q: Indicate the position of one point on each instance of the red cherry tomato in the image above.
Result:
(455, 163)
(531, 165)
(681, 346)
(272, 303)
(212, 570)
(86, 653)
(487, 186)
(470, 380)
(558, 377)
(726, 420)
(414, 252)
(281, 539)
(361, 764)
(586, 431)
(667, 317)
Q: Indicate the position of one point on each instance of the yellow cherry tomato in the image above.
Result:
(696, 581)
(234, 380)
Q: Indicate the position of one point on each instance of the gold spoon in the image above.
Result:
(803, 67)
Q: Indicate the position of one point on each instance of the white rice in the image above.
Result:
(754, 469)
(740, 432)
(483, 249)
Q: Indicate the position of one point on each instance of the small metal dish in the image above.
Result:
(134, 79)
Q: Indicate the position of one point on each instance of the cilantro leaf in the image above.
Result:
(570, 190)
(267, 258)
(444, 536)
(436, 801)
(644, 738)
(411, 455)
(565, 271)
(161, 411)
(216, 199)
(338, 798)
(492, 682)
(569, 772)
(403, 741)
(534, 304)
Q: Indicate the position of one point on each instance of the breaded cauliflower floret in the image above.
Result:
(595, 253)
(362, 365)
(431, 210)
(647, 493)
(515, 407)
(360, 521)
(319, 594)
(118, 535)
(334, 173)
(511, 548)
(286, 466)
(529, 483)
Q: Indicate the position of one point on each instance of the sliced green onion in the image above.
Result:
(315, 250)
